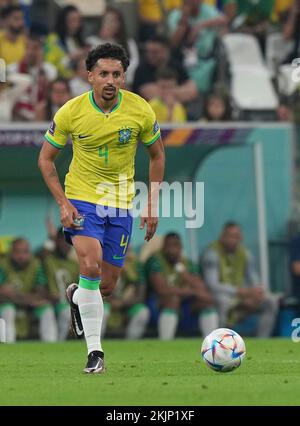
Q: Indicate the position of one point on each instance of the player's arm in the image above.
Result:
(156, 174)
(46, 164)
(55, 139)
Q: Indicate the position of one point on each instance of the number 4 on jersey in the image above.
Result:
(103, 152)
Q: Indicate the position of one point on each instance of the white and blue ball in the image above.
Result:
(223, 350)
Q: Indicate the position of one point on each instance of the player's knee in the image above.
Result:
(90, 267)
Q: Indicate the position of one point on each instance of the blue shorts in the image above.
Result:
(111, 226)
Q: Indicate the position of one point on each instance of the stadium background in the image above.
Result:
(220, 154)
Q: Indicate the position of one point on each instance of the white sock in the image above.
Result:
(138, 323)
(167, 324)
(208, 321)
(90, 305)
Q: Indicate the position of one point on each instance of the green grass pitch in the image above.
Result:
(148, 372)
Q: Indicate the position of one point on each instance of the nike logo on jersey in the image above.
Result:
(84, 136)
(115, 257)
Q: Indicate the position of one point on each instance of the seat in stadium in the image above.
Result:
(251, 81)
(242, 49)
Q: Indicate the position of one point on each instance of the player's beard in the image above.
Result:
(109, 95)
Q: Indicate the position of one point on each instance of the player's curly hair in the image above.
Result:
(107, 50)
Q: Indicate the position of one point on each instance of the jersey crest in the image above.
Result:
(125, 135)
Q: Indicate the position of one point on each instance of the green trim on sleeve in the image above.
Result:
(152, 140)
(52, 142)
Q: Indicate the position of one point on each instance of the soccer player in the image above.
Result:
(105, 125)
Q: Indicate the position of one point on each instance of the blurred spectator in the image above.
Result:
(59, 93)
(5, 3)
(41, 72)
(112, 30)
(12, 38)
(10, 92)
(284, 112)
(291, 29)
(193, 30)
(252, 17)
(126, 305)
(153, 17)
(229, 271)
(60, 272)
(5, 244)
(217, 108)
(280, 10)
(66, 43)
(22, 286)
(174, 279)
(158, 55)
(79, 84)
(166, 107)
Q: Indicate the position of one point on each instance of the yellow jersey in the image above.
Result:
(104, 146)
(150, 10)
(161, 111)
(12, 51)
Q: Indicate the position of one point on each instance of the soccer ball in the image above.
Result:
(223, 350)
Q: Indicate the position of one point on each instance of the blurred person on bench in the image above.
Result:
(60, 272)
(229, 271)
(174, 280)
(127, 306)
(22, 288)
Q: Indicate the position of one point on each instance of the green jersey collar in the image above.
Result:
(92, 100)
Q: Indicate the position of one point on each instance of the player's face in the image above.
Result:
(21, 254)
(107, 77)
(231, 238)
(172, 250)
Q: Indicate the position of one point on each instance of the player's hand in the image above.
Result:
(67, 215)
(151, 222)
